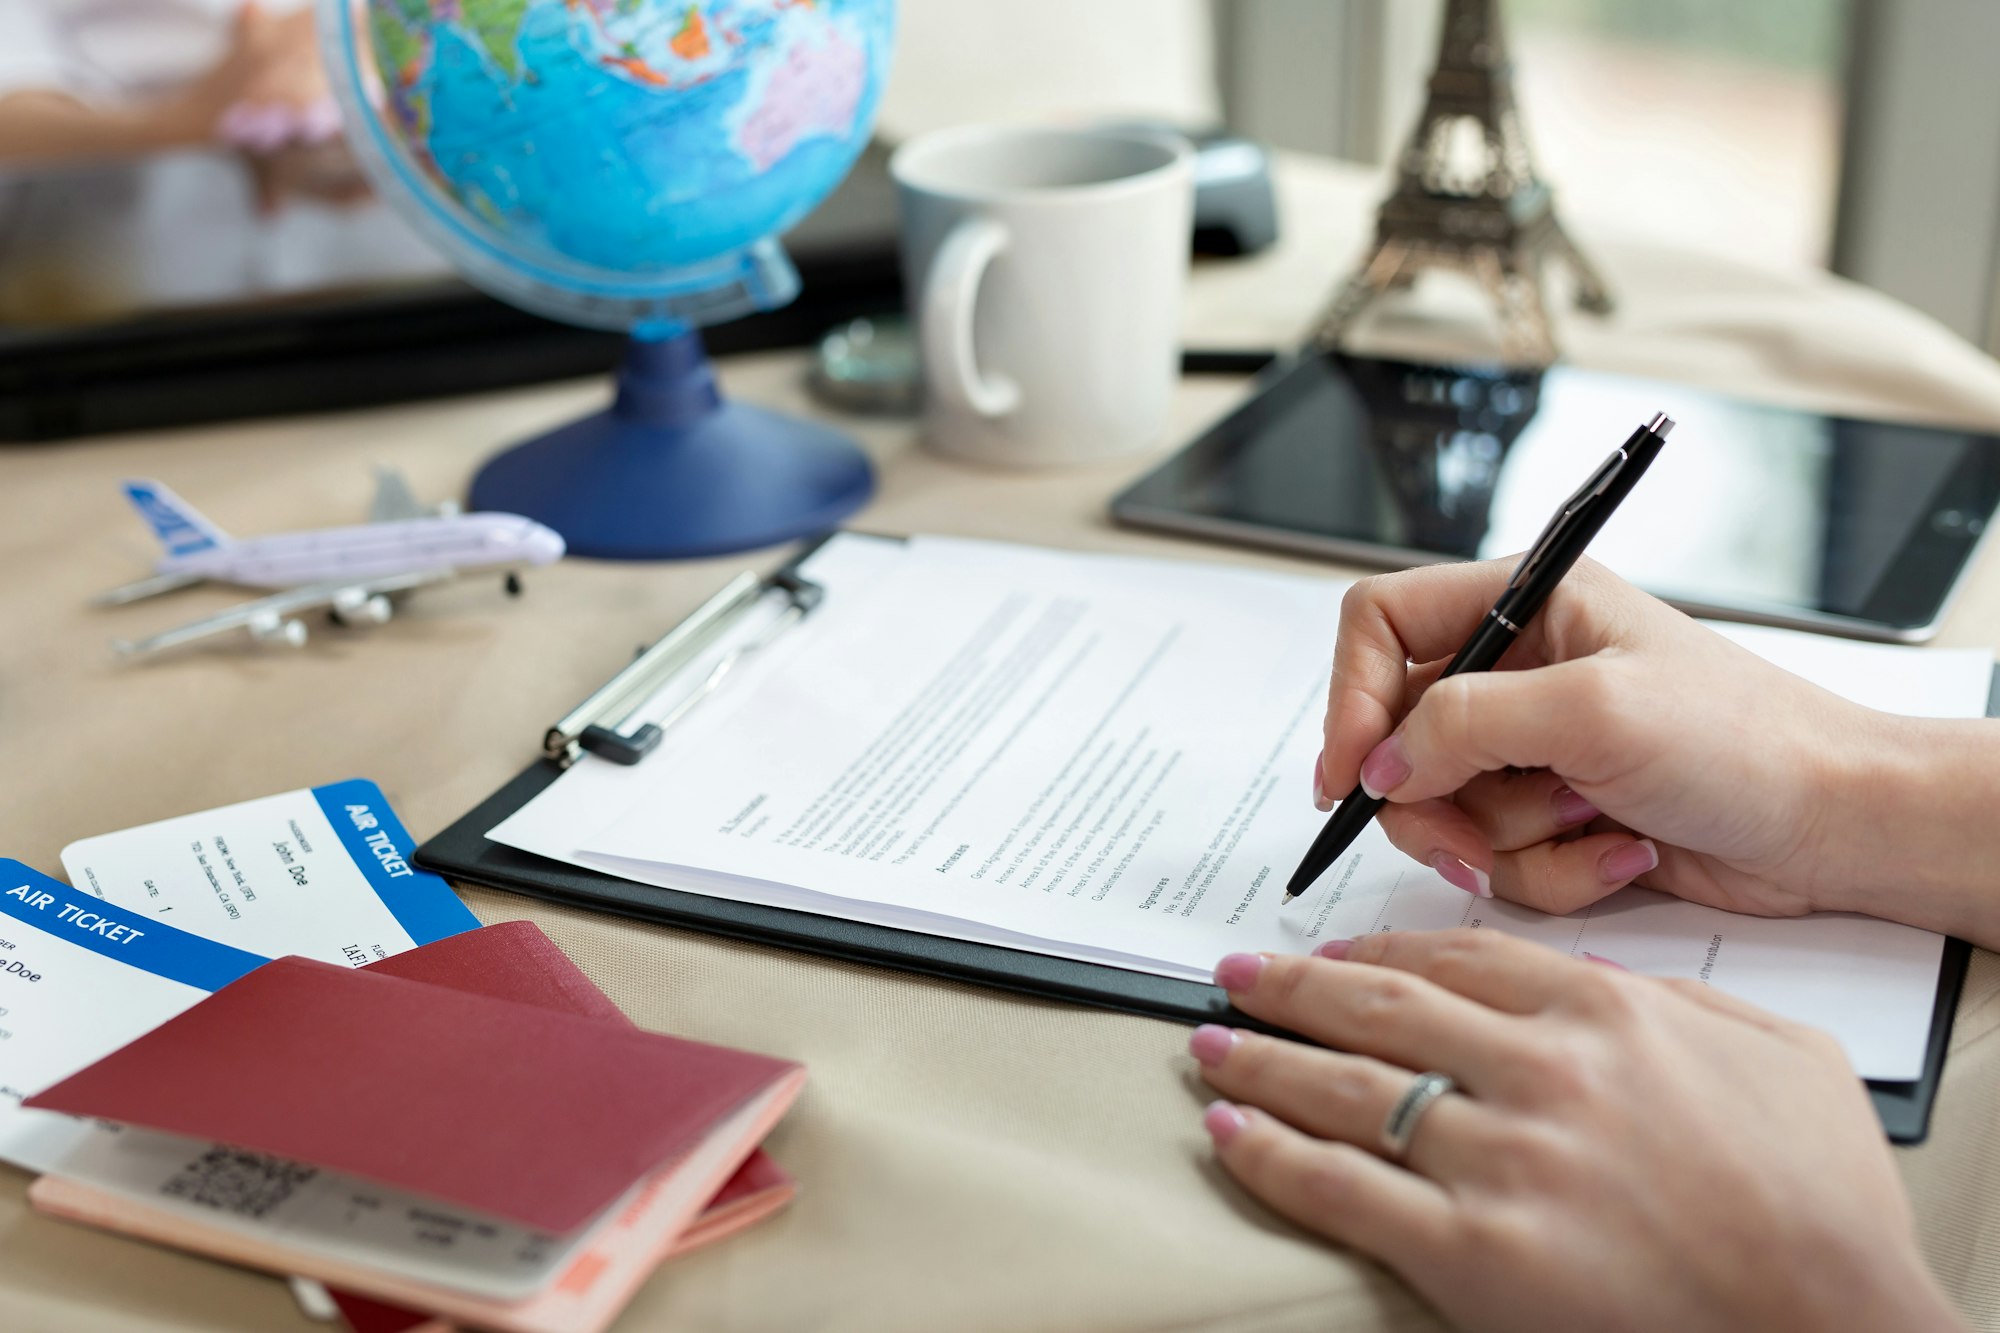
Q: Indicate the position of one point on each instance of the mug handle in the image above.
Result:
(950, 291)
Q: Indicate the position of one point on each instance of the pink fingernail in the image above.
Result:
(1608, 962)
(1628, 860)
(235, 124)
(1573, 809)
(1460, 875)
(320, 121)
(1385, 769)
(1223, 1122)
(266, 127)
(1211, 1044)
(1320, 803)
(1334, 949)
(1239, 971)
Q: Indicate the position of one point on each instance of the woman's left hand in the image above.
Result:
(1621, 1152)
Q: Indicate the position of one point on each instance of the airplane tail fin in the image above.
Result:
(178, 524)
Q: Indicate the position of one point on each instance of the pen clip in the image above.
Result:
(1595, 486)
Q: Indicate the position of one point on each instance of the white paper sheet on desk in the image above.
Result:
(1107, 758)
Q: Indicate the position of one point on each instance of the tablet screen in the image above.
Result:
(1752, 510)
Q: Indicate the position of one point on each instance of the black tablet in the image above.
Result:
(1753, 512)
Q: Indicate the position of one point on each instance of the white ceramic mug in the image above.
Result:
(1044, 270)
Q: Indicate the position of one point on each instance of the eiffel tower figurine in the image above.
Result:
(1467, 198)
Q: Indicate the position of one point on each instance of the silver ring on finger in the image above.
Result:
(1401, 1122)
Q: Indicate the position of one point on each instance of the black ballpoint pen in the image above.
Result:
(1540, 570)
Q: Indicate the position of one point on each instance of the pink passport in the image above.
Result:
(759, 1188)
(521, 1111)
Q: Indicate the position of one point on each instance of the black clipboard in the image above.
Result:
(463, 851)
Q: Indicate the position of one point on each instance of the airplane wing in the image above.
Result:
(151, 586)
(394, 502)
(273, 619)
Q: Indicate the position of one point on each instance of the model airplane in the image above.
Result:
(355, 573)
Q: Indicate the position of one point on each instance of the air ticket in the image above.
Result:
(79, 978)
(324, 873)
(166, 913)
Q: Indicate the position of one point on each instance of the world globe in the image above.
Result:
(629, 164)
(611, 162)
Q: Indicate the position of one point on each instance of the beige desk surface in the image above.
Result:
(968, 1159)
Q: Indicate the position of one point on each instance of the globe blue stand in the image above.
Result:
(671, 471)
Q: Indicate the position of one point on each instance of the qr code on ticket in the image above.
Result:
(242, 1184)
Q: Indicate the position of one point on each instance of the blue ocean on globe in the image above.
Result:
(636, 137)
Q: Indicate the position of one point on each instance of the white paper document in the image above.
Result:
(1109, 759)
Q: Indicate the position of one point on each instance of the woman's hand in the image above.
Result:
(267, 96)
(267, 92)
(324, 172)
(1620, 742)
(1622, 1153)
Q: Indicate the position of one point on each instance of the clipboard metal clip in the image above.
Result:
(604, 724)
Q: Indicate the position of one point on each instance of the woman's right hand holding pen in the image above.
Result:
(1622, 742)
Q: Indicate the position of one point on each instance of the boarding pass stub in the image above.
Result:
(79, 978)
(324, 873)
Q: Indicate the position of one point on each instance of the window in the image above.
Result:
(1737, 106)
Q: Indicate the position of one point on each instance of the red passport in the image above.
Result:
(513, 961)
(757, 1190)
(525, 1113)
